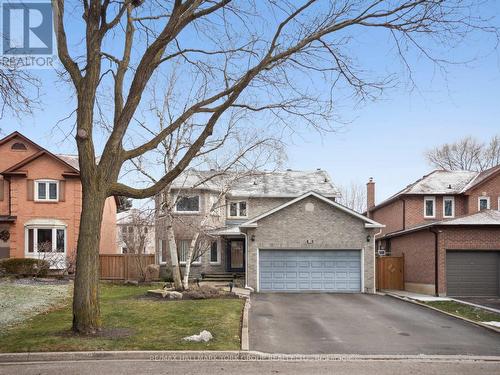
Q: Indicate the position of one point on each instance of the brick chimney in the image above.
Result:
(370, 196)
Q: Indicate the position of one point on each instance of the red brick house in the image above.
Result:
(40, 203)
(447, 225)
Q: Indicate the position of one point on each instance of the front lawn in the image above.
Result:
(466, 311)
(133, 323)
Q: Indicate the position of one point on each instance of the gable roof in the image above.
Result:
(42, 151)
(259, 184)
(442, 182)
(369, 223)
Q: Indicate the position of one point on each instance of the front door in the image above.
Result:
(235, 255)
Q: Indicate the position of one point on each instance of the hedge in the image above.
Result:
(24, 267)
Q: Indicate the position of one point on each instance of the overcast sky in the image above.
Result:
(384, 139)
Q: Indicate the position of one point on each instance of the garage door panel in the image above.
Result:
(472, 273)
(310, 270)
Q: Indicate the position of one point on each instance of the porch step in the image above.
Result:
(222, 277)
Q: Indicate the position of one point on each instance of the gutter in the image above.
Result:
(436, 260)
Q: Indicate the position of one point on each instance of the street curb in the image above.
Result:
(409, 300)
(245, 344)
(225, 356)
(476, 305)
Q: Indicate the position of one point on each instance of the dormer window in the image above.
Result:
(237, 209)
(46, 191)
(484, 203)
(18, 146)
(448, 207)
(430, 207)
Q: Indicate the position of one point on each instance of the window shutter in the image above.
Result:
(2, 185)
(30, 189)
(62, 191)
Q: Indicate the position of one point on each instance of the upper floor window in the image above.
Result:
(18, 146)
(238, 209)
(188, 204)
(484, 203)
(430, 207)
(449, 207)
(46, 190)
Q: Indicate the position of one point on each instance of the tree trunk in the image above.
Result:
(189, 260)
(86, 312)
(172, 247)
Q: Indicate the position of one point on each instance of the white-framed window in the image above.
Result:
(46, 190)
(498, 207)
(45, 239)
(430, 207)
(214, 253)
(448, 207)
(183, 250)
(237, 209)
(189, 204)
(483, 203)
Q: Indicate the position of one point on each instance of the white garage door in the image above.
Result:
(310, 270)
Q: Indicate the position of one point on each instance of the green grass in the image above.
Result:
(131, 323)
(466, 311)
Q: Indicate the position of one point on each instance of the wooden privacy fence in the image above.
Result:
(124, 266)
(391, 272)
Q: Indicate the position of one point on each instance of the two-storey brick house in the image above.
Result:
(282, 231)
(40, 203)
(447, 225)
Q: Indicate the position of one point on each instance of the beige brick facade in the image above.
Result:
(326, 226)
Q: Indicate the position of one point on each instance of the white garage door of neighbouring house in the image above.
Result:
(310, 270)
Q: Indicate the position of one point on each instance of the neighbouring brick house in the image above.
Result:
(281, 231)
(447, 225)
(40, 203)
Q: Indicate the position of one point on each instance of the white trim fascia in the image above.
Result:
(320, 197)
(370, 226)
(471, 182)
(363, 270)
(258, 271)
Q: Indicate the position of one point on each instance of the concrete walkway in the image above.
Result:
(415, 296)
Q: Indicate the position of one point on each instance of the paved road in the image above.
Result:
(362, 324)
(246, 368)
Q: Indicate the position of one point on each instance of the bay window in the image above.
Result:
(45, 240)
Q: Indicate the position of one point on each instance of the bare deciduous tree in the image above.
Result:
(19, 91)
(353, 196)
(235, 57)
(466, 154)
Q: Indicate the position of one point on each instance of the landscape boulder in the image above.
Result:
(204, 336)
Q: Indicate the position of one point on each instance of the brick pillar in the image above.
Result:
(370, 195)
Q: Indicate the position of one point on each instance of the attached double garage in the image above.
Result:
(310, 271)
(472, 273)
(311, 244)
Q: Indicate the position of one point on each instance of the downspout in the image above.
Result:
(436, 260)
(404, 214)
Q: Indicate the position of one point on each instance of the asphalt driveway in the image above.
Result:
(362, 324)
